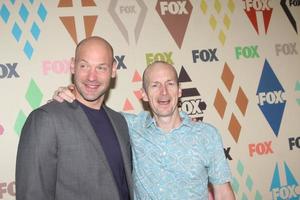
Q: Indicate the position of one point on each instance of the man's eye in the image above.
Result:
(102, 68)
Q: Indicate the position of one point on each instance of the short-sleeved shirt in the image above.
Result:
(177, 164)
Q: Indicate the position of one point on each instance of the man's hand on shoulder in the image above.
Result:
(64, 94)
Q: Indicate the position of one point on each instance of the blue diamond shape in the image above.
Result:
(35, 31)
(42, 12)
(16, 31)
(31, 1)
(4, 13)
(23, 12)
(28, 50)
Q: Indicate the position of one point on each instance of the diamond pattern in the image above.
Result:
(17, 32)
(241, 101)
(220, 103)
(249, 183)
(213, 22)
(34, 95)
(240, 168)
(203, 6)
(227, 77)
(4, 13)
(28, 50)
(258, 196)
(234, 128)
(42, 12)
(23, 12)
(226, 21)
(223, 15)
(20, 122)
(222, 37)
(235, 185)
(35, 31)
(231, 6)
(218, 6)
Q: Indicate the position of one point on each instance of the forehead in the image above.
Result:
(94, 48)
(161, 71)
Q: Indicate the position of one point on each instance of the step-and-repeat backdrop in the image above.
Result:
(238, 63)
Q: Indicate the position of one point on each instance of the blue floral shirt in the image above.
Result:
(178, 164)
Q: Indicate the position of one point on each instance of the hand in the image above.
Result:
(64, 94)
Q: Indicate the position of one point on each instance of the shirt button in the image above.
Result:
(164, 153)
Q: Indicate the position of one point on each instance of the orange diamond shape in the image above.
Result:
(234, 128)
(241, 101)
(227, 77)
(220, 103)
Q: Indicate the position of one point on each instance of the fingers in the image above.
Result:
(64, 94)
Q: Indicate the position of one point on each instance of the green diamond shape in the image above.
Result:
(244, 197)
(235, 185)
(240, 168)
(297, 87)
(20, 122)
(34, 95)
(258, 196)
(249, 183)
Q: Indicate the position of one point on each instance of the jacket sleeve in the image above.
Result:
(36, 158)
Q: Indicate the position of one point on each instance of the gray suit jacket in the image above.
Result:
(60, 157)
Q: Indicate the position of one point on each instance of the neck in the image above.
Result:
(96, 104)
(168, 123)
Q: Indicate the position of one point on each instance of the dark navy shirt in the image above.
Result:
(110, 145)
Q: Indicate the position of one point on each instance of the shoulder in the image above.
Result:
(207, 131)
(113, 114)
(132, 118)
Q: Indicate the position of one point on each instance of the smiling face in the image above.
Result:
(93, 68)
(161, 89)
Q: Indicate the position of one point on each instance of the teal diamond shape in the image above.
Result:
(4, 13)
(35, 31)
(16, 31)
(34, 95)
(297, 87)
(31, 1)
(42, 12)
(235, 185)
(23, 12)
(258, 196)
(244, 197)
(28, 50)
(12, 2)
(20, 122)
(249, 183)
(240, 168)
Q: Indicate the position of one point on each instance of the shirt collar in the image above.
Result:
(186, 120)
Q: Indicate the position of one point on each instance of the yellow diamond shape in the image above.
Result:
(213, 22)
(203, 6)
(227, 21)
(218, 6)
(222, 37)
(231, 5)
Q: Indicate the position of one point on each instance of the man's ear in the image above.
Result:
(114, 69)
(179, 92)
(144, 95)
(72, 66)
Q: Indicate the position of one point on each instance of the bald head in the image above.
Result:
(154, 66)
(94, 40)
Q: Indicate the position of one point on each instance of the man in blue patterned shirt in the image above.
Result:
(173, 157)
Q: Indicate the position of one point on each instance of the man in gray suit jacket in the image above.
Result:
(79, 150)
